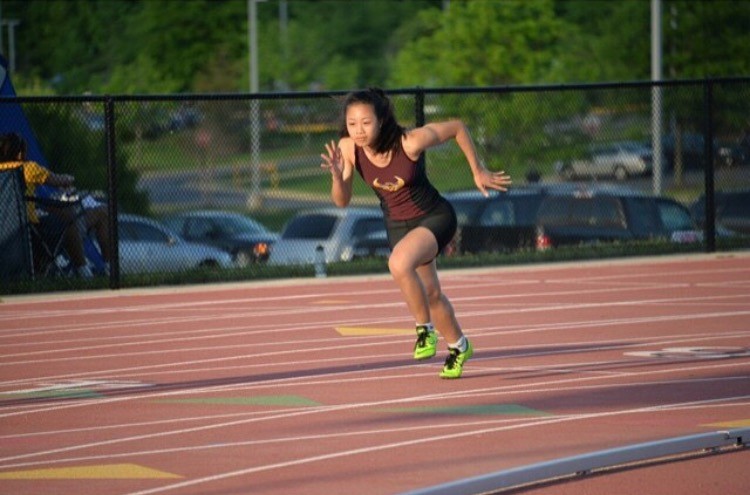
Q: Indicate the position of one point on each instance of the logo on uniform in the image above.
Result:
(389, 186)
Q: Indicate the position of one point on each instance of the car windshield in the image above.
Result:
(675, 217)
(737, 205)
(239, 225)
(582, 212)
(508, 212)
(135, 231)
(367, 226)
(498, 214)
(315, 226)
(634, 147)
(645, 217)
(466, 209)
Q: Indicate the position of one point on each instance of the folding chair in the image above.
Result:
(56, 216)
(77, 204)
(16, 259)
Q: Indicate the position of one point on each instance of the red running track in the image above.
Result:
(308, 387)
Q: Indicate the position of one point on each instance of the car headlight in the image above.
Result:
(261, 250)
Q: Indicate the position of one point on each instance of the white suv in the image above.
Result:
(343, 233)
(619, 160)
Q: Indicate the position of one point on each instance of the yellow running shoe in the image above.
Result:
(426, 345)
(454, 363)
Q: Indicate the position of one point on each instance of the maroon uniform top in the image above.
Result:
(402, 185)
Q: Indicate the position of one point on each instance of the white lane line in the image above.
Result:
(530, 389)
(252, 300)
(54, 328)
(138, 371)
(407, 443)
(326, 436)
(322, 409)
(528, 309)
(245, 443)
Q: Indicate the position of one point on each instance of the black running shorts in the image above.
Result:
(441, 221)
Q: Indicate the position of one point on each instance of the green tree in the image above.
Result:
(94, 45)
(181, 38)
(334, 44)
(69, 42)
(139, 77)
(612, 42)
(478, 43)
(706, 38)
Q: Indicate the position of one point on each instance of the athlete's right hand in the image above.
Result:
(333, 161)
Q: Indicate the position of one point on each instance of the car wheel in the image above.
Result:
(243, 259)
(208, 264)
(621, 173)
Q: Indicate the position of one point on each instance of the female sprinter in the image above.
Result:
(420, 222)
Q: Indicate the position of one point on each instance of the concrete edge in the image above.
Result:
(581, 464)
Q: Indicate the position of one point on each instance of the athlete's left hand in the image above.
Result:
(499, 181)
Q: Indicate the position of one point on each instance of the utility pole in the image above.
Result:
(11, 24)
(656, 94)
(254, 199)
(284, 41)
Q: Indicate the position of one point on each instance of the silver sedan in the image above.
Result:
(147, 246)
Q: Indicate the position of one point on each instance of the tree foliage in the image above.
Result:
(157, 46)
(483, 44)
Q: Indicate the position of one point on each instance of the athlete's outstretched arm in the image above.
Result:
(421, 138)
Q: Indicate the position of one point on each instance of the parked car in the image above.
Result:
(506, 221)
(502, 222)
(619, 160)
(343, 233)
(590, 218)
(247, 240)
(148, 246)
(732, 210)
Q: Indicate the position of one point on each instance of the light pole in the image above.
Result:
(656, 94)
(11, 25)
(254, 199)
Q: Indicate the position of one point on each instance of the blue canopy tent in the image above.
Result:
(13, 119)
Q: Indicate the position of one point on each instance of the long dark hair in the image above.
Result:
(11, 145)
(389, 137)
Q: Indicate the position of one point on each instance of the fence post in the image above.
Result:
(109, 131)
(709, 231)
(419, 117)
(419, 107)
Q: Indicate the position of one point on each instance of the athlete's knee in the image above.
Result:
(400, 265)
(397, 266)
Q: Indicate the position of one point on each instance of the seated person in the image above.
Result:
(95, 222)
(13, 155)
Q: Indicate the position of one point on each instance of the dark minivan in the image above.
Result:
(590, 218)
(501, 223)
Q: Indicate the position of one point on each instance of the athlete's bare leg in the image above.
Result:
(413, 267)
(441, 308)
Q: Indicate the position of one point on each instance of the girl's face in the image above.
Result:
(362, 124)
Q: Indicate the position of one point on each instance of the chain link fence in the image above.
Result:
(201, 187)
